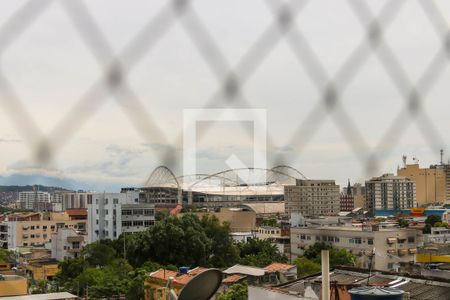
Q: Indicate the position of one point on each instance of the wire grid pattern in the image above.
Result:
(232, 79)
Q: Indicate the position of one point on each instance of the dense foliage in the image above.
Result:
(338, 257)
(111, 268)
(434, 221)
(306, 266)
(238, 291)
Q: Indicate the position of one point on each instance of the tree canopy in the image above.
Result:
(118, 268)
(337, 256)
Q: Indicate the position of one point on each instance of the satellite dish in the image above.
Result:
(203, 286)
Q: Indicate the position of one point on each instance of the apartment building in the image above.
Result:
(392, 245)
(25, 230)
(35, 200)
(111, 214)
(312, 198)
(67, 243)
(78, 199)
(390, 192)
(277, 236)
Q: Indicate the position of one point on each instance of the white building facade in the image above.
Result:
(34, 200)
(392, 246)
(67, 243)
(111, 214)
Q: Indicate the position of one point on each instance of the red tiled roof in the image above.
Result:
(183, 279)
(233, 278)
(276, 267)
(177, 277)
(163, 274)
(196, 271)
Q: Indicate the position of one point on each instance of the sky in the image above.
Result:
(112, 141)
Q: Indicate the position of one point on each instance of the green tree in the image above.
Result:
(306, 267)
(223, 250)
(99, 253)
(259, 253)
(337, 256)
(5, 254)
(431, 220)
(272, 222)
(238, 291)
(178, 241)
(403, 223)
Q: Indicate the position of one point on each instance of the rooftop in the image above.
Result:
(277, 267)
(417, 287)
(233, 278)
(51, 296)
(245, 270)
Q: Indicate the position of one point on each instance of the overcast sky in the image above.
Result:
(51, 68)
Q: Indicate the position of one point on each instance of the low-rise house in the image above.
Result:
(67, 243)
(285, 272)
(155, 285)
(42, 269)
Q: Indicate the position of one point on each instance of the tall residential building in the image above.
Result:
(75, 199)
(111, 214)
(35, 200)
(390, 192)
(25, 230)
(347, 200)
(431, 183)
(392, 246)
(312, 198)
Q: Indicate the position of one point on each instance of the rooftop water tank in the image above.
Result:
(375, 293)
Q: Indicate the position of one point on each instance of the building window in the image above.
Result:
(115, 201)
(32, 227)
(370, 241)
(138, 223)
(106, 201)
(126, 223)
(411, 239)
(148, 212)
(126, 212)
(148, 223)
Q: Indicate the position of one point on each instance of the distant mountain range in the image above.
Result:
(25, 182)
